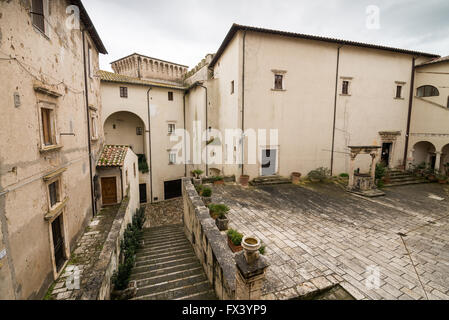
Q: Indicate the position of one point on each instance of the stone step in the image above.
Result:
(157, 243)
(178, 293)
(153, 251)
(395, 184)
(163, 254)
(150, 266)
(144, 261)
(157, 235)
(162, 271)
(167, 245)
(144, 282)
(206, 295)
(172, 284)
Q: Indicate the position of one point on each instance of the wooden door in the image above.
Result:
(109, 190)
(58, 243)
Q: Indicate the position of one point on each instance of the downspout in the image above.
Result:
(335, 110)
(149, 143)
(88, 125)
(207, 132)
(409, 116)
(185, 143)
(243, 102)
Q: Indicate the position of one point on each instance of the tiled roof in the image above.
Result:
(436, 60)
(115, 77)
(112, 156)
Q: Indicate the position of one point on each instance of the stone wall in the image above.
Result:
(209, 244)
(99, 286)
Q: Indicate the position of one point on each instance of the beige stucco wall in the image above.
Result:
(162, 113)
(53, 58)
(125, 133)
(430, 115)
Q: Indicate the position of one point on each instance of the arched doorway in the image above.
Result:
(444, 166)
(424, 152)
(125, 128)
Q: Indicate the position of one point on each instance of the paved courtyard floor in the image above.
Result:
(320, 230)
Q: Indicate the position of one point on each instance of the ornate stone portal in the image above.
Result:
(364, 183)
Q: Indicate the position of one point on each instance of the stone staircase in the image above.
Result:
(401, 178)
(270, 180)
(167, 268)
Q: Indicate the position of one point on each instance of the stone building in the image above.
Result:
(321, 95)
(50, 139)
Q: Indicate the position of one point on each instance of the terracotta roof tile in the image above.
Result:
(115, 77)
(112, 156)
(436, 60)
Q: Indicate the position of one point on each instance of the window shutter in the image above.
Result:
(37, 14)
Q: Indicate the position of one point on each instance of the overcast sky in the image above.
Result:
(184, 31)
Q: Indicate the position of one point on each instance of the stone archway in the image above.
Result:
(445, 159)
(425, 152)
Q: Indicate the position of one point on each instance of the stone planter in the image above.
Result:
(233, 247)
(218, 182)
(197, 182)
(126, 294)
(251, 246)
(295, 177)
(442, 181)
(244, 179)
(207, 200)
(222, 224)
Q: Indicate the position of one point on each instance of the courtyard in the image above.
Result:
(391, 247)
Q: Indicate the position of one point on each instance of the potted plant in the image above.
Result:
(217, 209)
(319, 175)
(441, 178)
(222, 221)
(206, 194)
(431, 175)
(197, 177)
(295, 177)
(218, 180)
(235, 240)
(244, 179)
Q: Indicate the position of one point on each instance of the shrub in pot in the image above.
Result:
(295, 177)
(218, 180)
(206, 194)
(217, 209)
(197, 176)
(441, 179)
(222, 221)
(235, 240)
(244, 179)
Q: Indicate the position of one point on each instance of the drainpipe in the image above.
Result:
(243, 102)
(207, 132)
(335, 110)
(409, 116)
(185, 143)
(149, 142)
(92, 196)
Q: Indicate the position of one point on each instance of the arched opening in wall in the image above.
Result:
(445, 159)
(427, 91)
(424, 152)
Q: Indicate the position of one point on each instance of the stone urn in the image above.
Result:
(222, 223)
(295, 177)
(197, 181)
(251, 246)
(244, 179)
(207, 200)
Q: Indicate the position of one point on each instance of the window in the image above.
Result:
(139, 131)
(123, 92)
(37, 14)
(171, 128)
(398, 92)
(232, 87)
(170, 96)
(427, 91)
(54, 194)
(134, 168)
(93, 126)
(172, 157)
(90, 61)
(48, 127)
(345, 87)
(278, 82)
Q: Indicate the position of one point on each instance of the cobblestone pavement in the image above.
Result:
(319, 231)
(83, 257)
(164, 213)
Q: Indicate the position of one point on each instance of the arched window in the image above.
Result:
(427, 91)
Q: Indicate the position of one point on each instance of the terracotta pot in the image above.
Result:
(295, 177)
(244, 179)
(233, 247)
(222, 224)
(219, 182)
(442, 181)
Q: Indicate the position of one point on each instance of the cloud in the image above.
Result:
(185, 31)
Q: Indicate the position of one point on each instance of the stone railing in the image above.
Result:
(99, 284)
(209, 244)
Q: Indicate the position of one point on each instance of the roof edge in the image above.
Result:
(148, 57)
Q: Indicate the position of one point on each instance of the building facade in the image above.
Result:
(51, 137)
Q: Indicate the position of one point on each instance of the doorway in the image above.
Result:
(143, 192)
(58, 242)
(172, 189)
(109, 190)
(386, 151)
(269, 162)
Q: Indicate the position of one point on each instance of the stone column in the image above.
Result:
(373, 166)
(351, 170)
(249, 277)
(438, 161)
